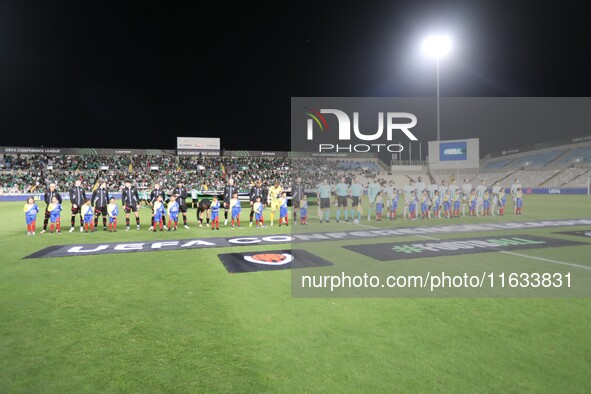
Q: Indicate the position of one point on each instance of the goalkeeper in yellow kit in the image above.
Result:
(274, 198)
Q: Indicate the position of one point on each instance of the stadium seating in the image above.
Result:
(576, 155)
(536, 160)
(474, 178)
(551, 168)
(571, 177)
(21, 174)
(24, 173)
(497, 164)
(355, 165)
(532, 178)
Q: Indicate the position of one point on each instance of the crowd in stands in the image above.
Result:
(25, 174)
(85, 163)
(244, 170)
(32, 173)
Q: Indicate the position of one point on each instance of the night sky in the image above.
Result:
(92, 75)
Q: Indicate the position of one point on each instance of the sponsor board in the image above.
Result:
(199, 143)
(581, 233)
(197, 152)
(84, 151)
(185, 244)
(270, 260)
(451, 247)
(571, 190)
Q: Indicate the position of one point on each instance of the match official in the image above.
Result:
(342, 191)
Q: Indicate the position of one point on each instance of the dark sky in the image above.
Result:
(92, 75)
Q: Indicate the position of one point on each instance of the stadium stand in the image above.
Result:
(571, 177)
(474, 178)
(353, 165)
(22, 174)
(567, 166)
(533, 178)
(576, 155)
(535, 160)
(497, 164)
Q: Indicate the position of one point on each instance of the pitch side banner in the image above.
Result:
(453, 247)
(186, 244)
(84, 151)
(254, 153)
(197, 152)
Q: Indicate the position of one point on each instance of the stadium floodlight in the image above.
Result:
(437, 46)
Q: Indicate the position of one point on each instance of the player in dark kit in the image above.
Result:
(153, 197)
(77, 198)
(181, 192)
(255, 192)
(203, 210)
(297, 194)
(229, 191)
(130, 200)
(48, 196)
(100, 200)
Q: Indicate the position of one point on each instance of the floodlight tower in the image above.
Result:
(437, 46)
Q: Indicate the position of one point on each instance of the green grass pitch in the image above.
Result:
(176, 321)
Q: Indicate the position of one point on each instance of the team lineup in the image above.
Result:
(420, 201)
(90, 210)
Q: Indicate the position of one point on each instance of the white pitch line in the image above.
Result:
(424, 236)
(546, 260)
(364, 225)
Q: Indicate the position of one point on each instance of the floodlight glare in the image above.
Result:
(437, 46)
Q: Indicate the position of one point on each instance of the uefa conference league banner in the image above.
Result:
(84, 151)
(163, 152)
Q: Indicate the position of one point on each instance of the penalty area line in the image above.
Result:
(546, 260)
